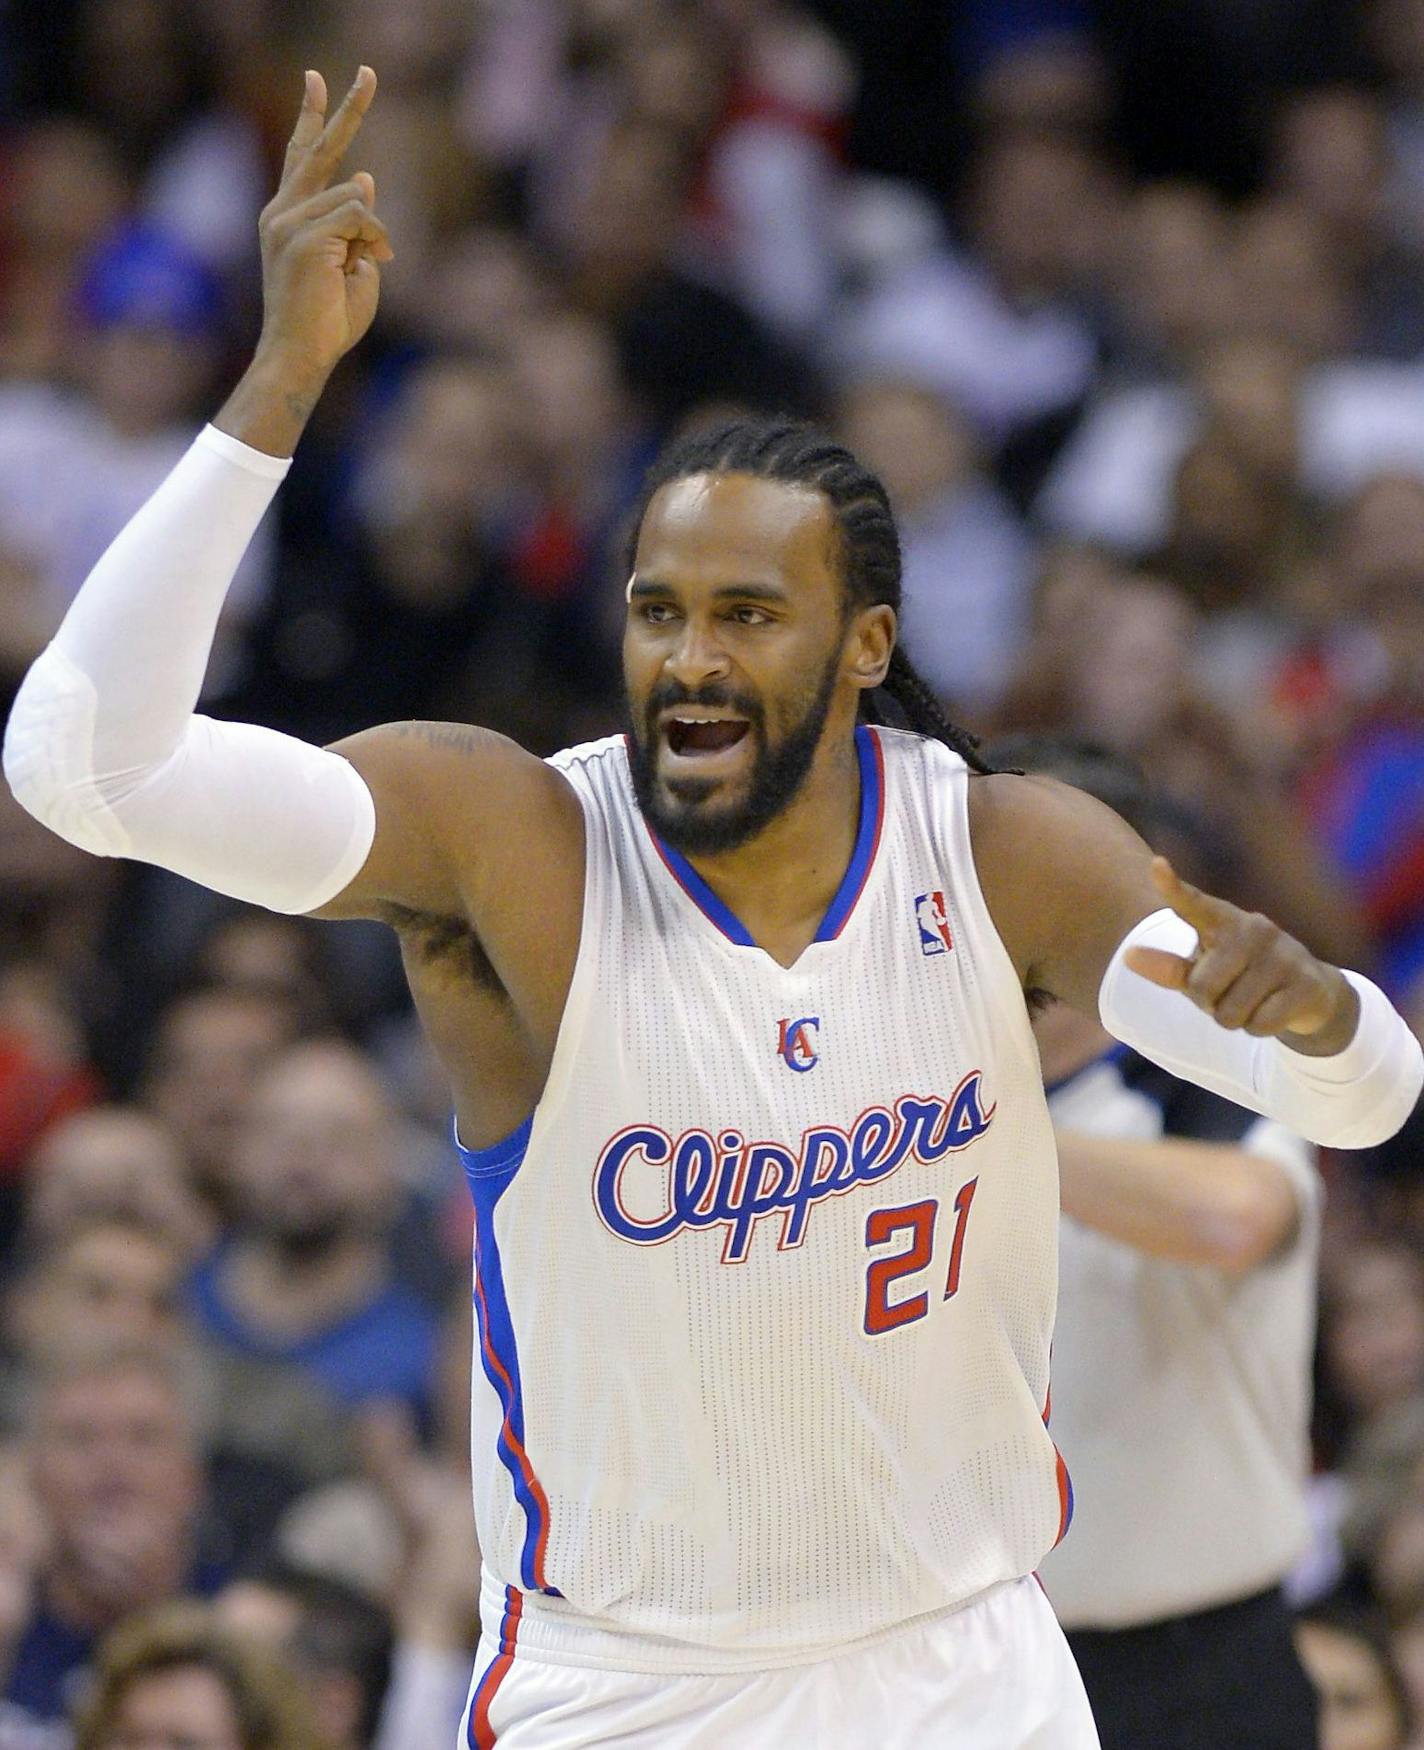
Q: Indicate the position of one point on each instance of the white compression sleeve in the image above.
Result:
(103, 745)
(1355, 1099)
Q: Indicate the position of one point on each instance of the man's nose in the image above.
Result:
(698, 656)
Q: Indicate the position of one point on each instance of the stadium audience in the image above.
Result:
(338, 1641)
(1127, 311)
(176, 1677)
(304, 1275)
(112, 1163)
(207, 1049)
(111, 1443)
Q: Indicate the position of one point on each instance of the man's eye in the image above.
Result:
(656, 613)
(751, 617)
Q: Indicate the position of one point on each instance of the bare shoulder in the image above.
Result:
(459, 810)
(1064, 878)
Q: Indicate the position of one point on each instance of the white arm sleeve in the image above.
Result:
(103, 745)
(1355, 1099)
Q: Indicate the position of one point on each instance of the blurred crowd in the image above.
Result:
(1126, 306)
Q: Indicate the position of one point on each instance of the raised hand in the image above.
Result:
(1248, 974)
(322, 244)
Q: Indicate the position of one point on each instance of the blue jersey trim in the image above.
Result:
(867, 838)
(490, 1172)
(702, 895)
(507, 1153)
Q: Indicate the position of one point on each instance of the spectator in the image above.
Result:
(404, 1533)
(116, 1471)
(1406, 1643)
(681, 341)
(1396, 34)
(45, 1074)
(1365, 793)
(1117, 667)
(1372, 1350)
(1113, 481)
(1041, 74)
(73, 469)
(208, 1048)
(432, 183)
(260, 951)
(112, 1162)
(174, 1677)
(994, 328)
(267, 1434)
(197, 161)
(967, 558)
(1332, 159)
(65, 194)
(485, 285)
(772, 180)
(418, 565)
(1172, 285)
(336, 1639)
(305, 1277)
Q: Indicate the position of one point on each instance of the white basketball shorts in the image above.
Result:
(996, 1675)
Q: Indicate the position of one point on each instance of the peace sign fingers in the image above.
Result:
(317, 146)
(322, 244)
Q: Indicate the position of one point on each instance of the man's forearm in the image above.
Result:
(1191, 1202)
(104, 747)
(1352, 1097)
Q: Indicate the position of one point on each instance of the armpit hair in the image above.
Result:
(430, 938)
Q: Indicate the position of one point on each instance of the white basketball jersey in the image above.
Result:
(765, 1287)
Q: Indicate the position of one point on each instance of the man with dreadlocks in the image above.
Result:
(734, 1010)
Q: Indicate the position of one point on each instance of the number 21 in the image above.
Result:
(918, 1220)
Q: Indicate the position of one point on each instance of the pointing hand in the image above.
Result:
(1248, 974)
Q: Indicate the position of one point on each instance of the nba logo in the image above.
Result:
(796, 1043)
(933, 920)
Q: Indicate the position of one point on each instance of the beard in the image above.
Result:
(692, 823)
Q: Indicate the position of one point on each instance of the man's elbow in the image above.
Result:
(1249, 1224)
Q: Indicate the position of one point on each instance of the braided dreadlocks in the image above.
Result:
(798, 454)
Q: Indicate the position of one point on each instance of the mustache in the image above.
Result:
(671, 694)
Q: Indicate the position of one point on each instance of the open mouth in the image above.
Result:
(693, 737)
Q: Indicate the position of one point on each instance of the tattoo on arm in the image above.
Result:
(446, 737)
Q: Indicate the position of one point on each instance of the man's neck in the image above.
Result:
(288, 1295)
(781, 884)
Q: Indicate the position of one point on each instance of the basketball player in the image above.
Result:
(734, 1015)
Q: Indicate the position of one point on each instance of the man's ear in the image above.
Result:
(869, 644)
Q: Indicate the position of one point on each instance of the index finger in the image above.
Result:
(1201, 910)
(315, 153)
(309, 119)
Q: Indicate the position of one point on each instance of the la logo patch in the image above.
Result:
(796, 1043)
(932, 917)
